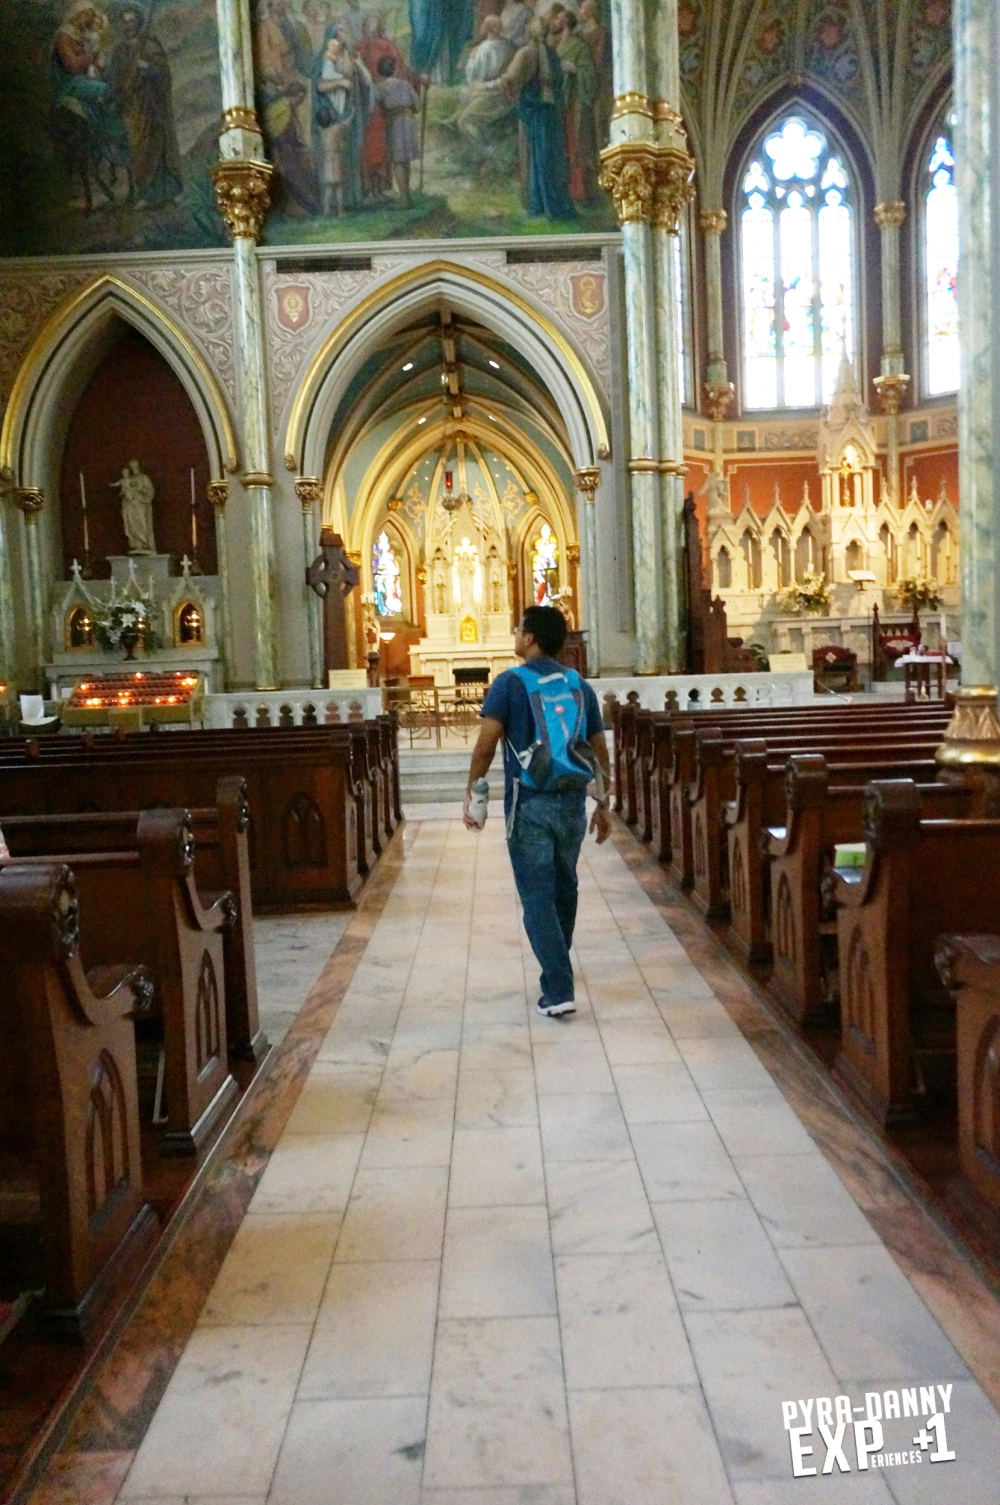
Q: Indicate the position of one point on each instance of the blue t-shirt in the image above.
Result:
(507, 702)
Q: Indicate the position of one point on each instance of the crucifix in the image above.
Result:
(332, 576)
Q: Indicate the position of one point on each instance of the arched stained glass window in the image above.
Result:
(545, 567)
(941, 269)
(797, 245)
(386, 578)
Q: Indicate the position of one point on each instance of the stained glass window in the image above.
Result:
(545, 567)
(941, 269)
(797, 248)
(386, 578)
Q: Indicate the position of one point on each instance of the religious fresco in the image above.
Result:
(433, 117)
(110, 116)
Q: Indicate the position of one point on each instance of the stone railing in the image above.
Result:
(291, 707)
(693, 692)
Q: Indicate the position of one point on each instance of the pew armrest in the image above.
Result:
(126, 984)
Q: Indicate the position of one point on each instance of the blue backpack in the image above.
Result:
(560, 757)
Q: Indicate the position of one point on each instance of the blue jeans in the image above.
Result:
(544, 846)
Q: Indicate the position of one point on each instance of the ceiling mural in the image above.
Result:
(880, 61)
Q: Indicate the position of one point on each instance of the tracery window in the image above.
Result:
(941, 269)
(797, 243)
(545, 567)
(387, 581)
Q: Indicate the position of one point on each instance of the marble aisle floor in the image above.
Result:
(502, 1260)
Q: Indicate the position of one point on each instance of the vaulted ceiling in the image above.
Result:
(881, 63)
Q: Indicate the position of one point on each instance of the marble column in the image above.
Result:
(218, 495)
(309, 490)
(973, 738)
(892, 382)
(588, 609)
(242, 179)
(30, 500)
(7, 621)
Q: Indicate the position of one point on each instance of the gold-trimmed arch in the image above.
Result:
(412, 278)
(148, 317)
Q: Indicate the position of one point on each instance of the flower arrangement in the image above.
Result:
(918, 593)
(811, 593)
(125, 621)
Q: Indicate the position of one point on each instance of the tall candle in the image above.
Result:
(194, 518)
(83, 504)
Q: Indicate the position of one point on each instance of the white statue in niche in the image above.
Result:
(137, 508)
(468, 585)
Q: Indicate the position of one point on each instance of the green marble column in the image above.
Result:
(218, 495)
(7, 624)
(30, 500)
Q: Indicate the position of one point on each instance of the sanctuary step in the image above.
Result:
(436, 777)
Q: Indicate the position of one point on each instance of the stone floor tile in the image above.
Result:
(496, 1167)
(572, 1065)
(659, 1094)
(395, 1214)
(497, 1263)
(219, 1426)
(274, 1272)
(684, 1162)
(619, 1322)
(756, 1121)
(801, 1201)
(501, 1098)
(598, 1207)
(583, 1126)
(374, 1332)
(719, 1257)
(336, 1099)
(498, 1408)
(638, 1042)
(367, 1452)
(309, 1173)
(719, 1063)
(645, 1447)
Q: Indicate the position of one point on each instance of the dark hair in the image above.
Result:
(386, 67)
(547, 626)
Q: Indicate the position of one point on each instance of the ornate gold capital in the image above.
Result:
(241, 187)
(674, 187)
(30, 499)
(573, 553)
(257, 478)
(422, 573)
(628, 173)
(239, 118)
(632, 103)
(394, 504)
(588, 478)
(354, 555)
(713, 221)
(309, 490)
(892, 212)
(972, 736)
(891, 391)
(218, 494)
(664, 113)
(719, 399)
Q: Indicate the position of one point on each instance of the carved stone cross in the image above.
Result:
(332, 576)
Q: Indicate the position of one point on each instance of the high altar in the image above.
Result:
(468, 591)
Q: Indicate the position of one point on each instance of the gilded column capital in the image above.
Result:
(719, 397)
(217, 493)
(891, 390)
(713, 221)
(354, 555)
(632, 103)
(241, 187)
(573, 554)
(240, 118)
(674, 187)
(664, 113)
(309, 490)
(588, 478)
(252, 478)
(628, 173)
(890, 214)
(972, 736)
(30, 499)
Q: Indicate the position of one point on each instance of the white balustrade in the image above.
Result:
(304, 707)
(703, 691)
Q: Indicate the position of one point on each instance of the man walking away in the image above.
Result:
(553, 746)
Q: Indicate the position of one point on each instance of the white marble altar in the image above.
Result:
(468, 591)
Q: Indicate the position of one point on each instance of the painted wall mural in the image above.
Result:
(110, 117)
(433, 117)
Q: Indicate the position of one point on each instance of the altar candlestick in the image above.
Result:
(86, 530)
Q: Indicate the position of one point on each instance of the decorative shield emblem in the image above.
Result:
(587, 294)
(293, 306)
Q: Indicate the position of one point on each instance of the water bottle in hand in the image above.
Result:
(479, 799)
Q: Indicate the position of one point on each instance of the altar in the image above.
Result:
(467, 593)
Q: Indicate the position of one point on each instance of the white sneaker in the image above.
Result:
(555, 1010)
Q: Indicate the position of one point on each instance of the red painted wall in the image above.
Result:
(931, 468)
(755, 480)
(135, 408)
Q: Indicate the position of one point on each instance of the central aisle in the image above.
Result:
(502, 1260)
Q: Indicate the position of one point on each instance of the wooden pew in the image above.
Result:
(921, 878)
(70, 1158)
(221, 863)
(969, 968)
(819, 816)
(142, 904)
(298, 781)
(701, 804)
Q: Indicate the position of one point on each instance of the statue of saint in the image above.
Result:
(467, 573)
(137, 508)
